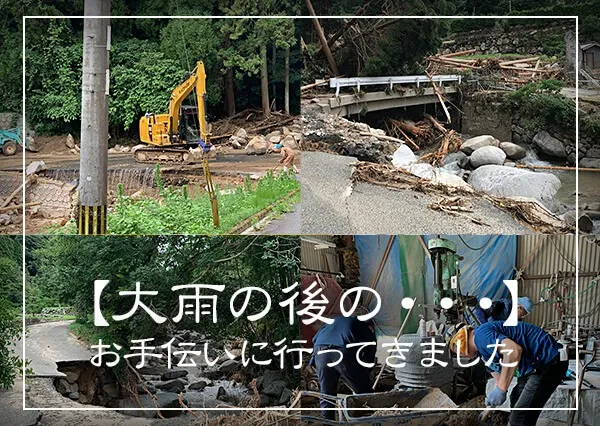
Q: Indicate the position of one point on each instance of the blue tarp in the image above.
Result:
(409, 273)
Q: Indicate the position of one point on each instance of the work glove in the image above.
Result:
(495, 398)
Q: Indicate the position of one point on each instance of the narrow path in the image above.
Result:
(50, 342)
(288, 224)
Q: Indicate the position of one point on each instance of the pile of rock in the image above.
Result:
(551, 144)
(87, 384)
(289, 136)
(331, 133)
(124, 149)
(72, 145)
(8, 215)
(227, 381)
(485, 164)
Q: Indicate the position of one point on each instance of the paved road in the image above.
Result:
(288, 224)
(50, 342)
(331, 205)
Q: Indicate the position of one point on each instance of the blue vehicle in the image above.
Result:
(10, 138)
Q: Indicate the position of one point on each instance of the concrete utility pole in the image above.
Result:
(93, 164)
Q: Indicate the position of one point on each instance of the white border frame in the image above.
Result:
(300, 409)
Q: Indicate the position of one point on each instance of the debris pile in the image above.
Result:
(426, 133)
(334, 134)
(250, 130)
(516, 71)
(10, 209)
(526, 210)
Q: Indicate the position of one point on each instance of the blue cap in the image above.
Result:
(526, 303)
(278, 145)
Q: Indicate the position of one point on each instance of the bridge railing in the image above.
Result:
(357, 82)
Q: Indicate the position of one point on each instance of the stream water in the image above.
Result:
(589, 190)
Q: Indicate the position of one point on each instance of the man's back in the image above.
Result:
(539, 347)
(344, 330)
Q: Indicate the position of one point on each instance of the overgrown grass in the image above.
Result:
(50, 318)
(176, 213)
(90, 334)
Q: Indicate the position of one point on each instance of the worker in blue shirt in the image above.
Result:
(542, 363)
(501, 309)
(333, 338)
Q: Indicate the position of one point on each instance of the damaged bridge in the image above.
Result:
(392, 92)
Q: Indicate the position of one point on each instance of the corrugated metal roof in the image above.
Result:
(586, 46)
(548, 266)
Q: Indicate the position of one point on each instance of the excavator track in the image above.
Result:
(163, 155)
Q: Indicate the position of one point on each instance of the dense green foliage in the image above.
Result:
(149, 61)
(66, 267)
(176, 213)
(11, 285)
(540, 104)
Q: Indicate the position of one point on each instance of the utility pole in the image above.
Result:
(93, 163)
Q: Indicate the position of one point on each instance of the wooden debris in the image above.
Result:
(517, 71)
(438, 93)
(581, 169)
(526, 211)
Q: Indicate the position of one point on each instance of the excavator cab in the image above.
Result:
(189, 128)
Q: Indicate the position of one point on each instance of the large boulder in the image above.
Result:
(257, 146)
(173, 374)
(236, 142)
(459, 157)
(513, 182)
(549, 145)
(450, 179)
(289, 142)
(403, 156)
(513, 151)
(228, 366)
(593, 153)
(487, 155)
(175, 385)
(593, 163)
(470, 145)
(35, 167)
(422, 170)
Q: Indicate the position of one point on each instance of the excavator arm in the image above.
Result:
(196, 80)
(164, 129)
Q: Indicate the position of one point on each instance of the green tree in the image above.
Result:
(11, 285)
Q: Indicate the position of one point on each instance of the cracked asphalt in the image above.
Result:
(332, 205)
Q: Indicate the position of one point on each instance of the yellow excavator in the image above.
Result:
(177, 135)
(181, 136)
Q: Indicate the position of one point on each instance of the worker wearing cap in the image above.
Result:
(287, 157)
(501, 309)
(332, 338)
(541, 361)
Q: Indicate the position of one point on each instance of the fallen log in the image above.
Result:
(455, 64)
(463, 53)
(409, 140)
(525, 69)
(310, 86)
(440, 97)
(407, 127)
(14, 193)
(581, 169)
(268, 126)
(18, 207)
(521, 61)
